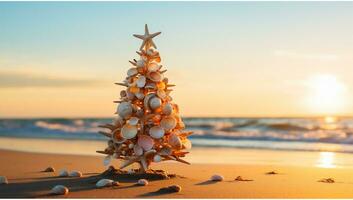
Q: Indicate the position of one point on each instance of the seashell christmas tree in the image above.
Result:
(148, 127)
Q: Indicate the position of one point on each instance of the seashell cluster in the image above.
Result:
(148, 127)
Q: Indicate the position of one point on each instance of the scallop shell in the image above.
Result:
(59, 190)
(145, 142)
(153, 67)
(175, 141)
(63, 173)
(132, 72)
(3, 180)
(128, 131)
(155, 76)
(168, 123)
(167, 109)
(146, 101)
(155, 103)
(156, 132)
(133, 121)
(141, 81)
(140, 63)
(124, 109)
(142, 182)
(117, 137)
(138, 150)
(157, 158)
(217, 177)
(75, 174)
(104, 183)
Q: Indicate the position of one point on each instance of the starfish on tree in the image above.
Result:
(147, 38)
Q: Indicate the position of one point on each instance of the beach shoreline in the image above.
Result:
(23, 171)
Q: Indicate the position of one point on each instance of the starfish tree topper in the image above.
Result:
(147, 38)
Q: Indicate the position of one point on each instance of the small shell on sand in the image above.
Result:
(3, 180)
(63, 173)
(49, 169)
(142, 182)
(60, 190)
(174, 188)
(217, 177)
(106, 183)
(75, 174)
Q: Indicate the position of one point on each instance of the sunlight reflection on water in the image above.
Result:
(326, 160)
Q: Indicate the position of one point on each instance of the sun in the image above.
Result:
(326, 94)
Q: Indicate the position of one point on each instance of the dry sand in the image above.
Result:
(26, 179)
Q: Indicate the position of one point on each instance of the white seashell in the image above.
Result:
(187, 144)
(168, 123)
(142, 182)
(133, 121)
(132, 72)
(138, 150)
(140, 95)
(175, 141)
(153, 67)
(217, 177)
(141, 81)
(131, 145)
(60, 190)
(124, 109)
(140, 63)
(167, 109)
(63, 173)
(147, 100)
(155, 103)
(128, 131)
(3, 180)
(156, 132)
(145, 142)
(104, 183)
(157, 158)
(75, 174)
(155, 76)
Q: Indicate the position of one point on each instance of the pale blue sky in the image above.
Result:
(238, 51)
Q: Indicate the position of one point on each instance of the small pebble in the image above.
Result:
(75, 174)
(3, 180)
(217, 177)
(142, 182)
(106, 183)
(60, 190)
(49, 169)
(63, 173)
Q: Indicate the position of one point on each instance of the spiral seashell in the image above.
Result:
(59, 190)
(145, 142)
(175, 141)
(156, 132)
(138, 150)
(124, 109)
(155, 103)
(141, 81)
(155, 76)
(167, 109)
(168, 123)
(128, 131)
(132, 72)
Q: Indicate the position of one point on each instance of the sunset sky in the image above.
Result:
(227, 59)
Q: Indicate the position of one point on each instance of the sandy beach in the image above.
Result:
(26, 179)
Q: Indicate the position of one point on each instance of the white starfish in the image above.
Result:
(147, 38)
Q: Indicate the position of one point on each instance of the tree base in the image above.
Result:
(136, 174)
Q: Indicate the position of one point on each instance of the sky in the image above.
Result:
(228, 59)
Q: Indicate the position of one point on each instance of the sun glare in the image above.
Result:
(326, 94)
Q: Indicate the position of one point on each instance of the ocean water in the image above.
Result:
(293, 134)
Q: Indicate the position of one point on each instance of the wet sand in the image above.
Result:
(26, 179)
